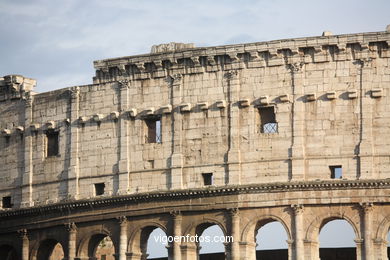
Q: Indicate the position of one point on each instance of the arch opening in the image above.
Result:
(101, 247)
(156, 243)
(271, 240)
(8, 252)
(337, 239)
(50, 249)
(211, 241)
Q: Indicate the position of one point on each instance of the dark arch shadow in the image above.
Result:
(46, 249)
(8, 252)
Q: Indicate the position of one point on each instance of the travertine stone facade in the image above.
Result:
(326, 102)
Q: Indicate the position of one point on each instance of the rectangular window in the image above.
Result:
(99, 189)
(208, 179)
(7, 202)
(153, 130)
(336, 172)
(52, 143)
(268, 124)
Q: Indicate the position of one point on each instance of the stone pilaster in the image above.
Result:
(189, 251)
(175, 84)
(26, 200)
(298, 231)
(367, 209)
(235, 233)
(359, 247)
(247, 250)
(380, 247)
(122, 238)
(25, 244)
(72, 232)
(124, 135)
(73, 171)
(133, 256)
(232, 85)
(297, 151)
(177, 219)
(366, 149)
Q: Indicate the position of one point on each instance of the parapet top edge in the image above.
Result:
(220, 49)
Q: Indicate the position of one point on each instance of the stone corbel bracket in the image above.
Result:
(6, 132)
(203, 105)
(311, 97)
(148, 111)
(245, 102)
(34, 127)
(50, 125)
(19, 129)
(284, 98)
(352, 94)
(114, 115)
(83, 119)
(376, 93)
(331, 95)
(263, 101)
(167, 109)
(132, 112)
(221, 104)
(185, 107)
(97, 118)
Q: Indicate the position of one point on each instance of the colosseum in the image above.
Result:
(295, 131)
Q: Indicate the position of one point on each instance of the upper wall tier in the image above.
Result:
(239, 56)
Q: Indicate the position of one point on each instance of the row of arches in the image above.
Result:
(271, 237)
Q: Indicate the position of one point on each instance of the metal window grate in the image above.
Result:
(270, 128)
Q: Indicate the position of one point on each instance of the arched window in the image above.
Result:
(337, 239)
(156, 244)
(271, 241)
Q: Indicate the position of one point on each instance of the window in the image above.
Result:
(268, 124)
(52, 143)
(336, 172)
(7, 202)
(99, 189)
(153, 130)
(208, 179)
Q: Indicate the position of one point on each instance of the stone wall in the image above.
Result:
(330, 95)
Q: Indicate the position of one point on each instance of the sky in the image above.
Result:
(56, 41)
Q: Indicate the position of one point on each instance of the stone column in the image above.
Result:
(247, 250)
(297, 151)
(380, 246)
(359, 243)
(25, 244)
(175, 84)
(233, 154)
(298, 231)
(72, 232)
(290, 243)
(235, 233)
(26, 200)
(367, 224)
(189, 251)
(124, 153)
(73, 171)
(133, 256)
(177, 219)
(122, 238)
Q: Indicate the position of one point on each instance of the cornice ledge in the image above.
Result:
(200, 192)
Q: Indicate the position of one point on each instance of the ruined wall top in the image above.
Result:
(172, 46)
(170, 56)
(13, 86)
